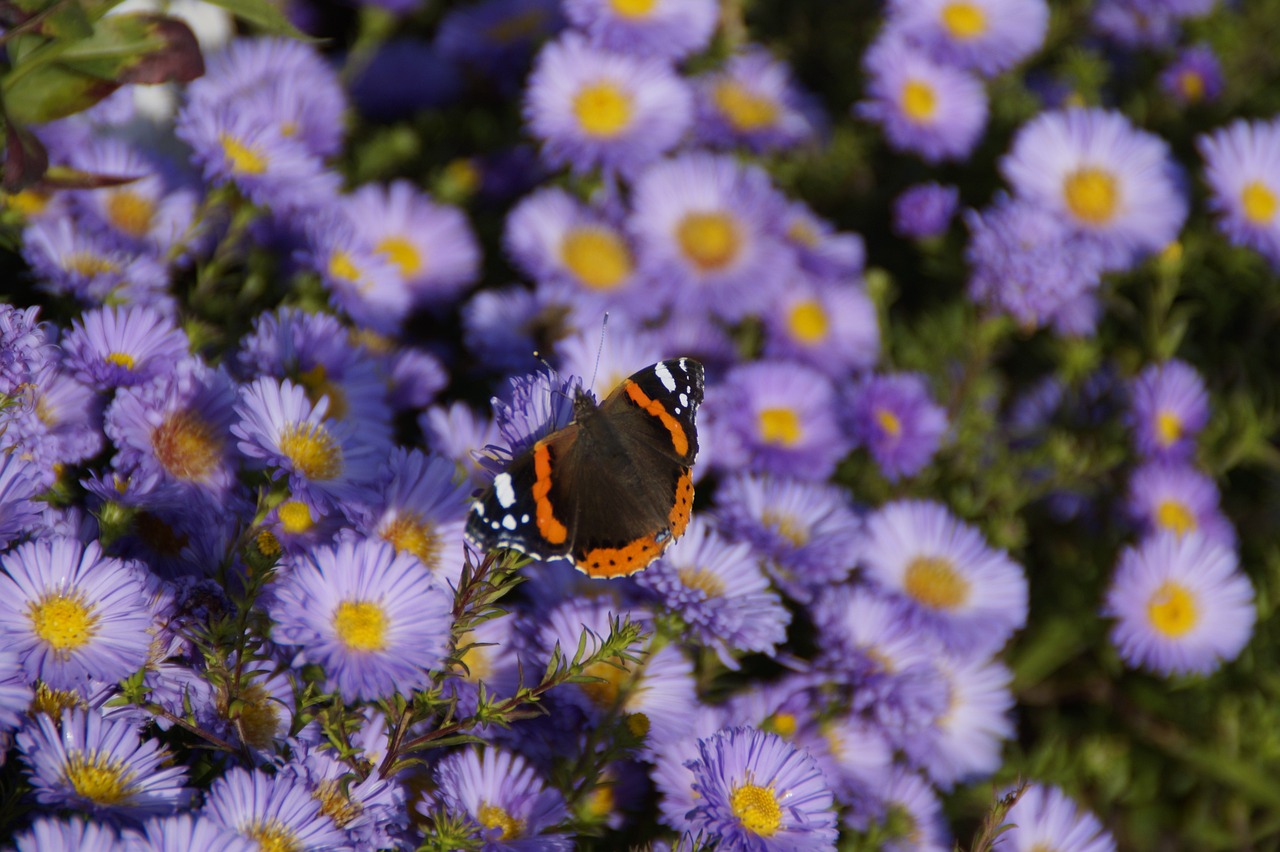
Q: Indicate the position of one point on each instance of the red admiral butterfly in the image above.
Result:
(612, 489)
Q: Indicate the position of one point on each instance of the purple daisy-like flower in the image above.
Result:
(704, 225)
(1176, 497)
(47, 834)
(1168, 407)
(970, 595)
(895, 418)
(831, 326)
(1045, 817)
(1027, 263)
(775, 417)
(672, 29)
(1180, 603)
(370, 810)
(671, 773)
(25, 347)
(279, 811)
(460, 434)
(119, 347)
(72, 614)
(20, 482)
(988, 36)
(917, 823)
(1111, 182)
(58, 424)
(806, 533)
(964, 742)
(752, 101)
(373, 618)
(592, 108)
(536, 405)
(935, 111)
(924, 211)
(363, 282)
(1242, 168)
(101, 766)
(92, 265)
(611, 359)
(819, 248)
(1194, 76)
(720, 592)
(759, 792)
(502, 328)
(15, 693)
(512, 808)
(429, 244)
(279, 428)
(186, 832)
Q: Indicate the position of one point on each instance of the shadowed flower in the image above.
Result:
(1044, 817)
(1168, 407)
(512, 808)
(119, 347)
(896, 419)
(1242, 168)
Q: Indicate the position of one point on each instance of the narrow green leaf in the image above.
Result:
(51, 92)
(263, 15)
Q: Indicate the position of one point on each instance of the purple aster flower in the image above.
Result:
(25, 347)
(1045, 817)
(972, 596)
(279, 428)
(611, 355)
(672, 29)
(370, 810)
(704, 226)
(936, 111)
(916, 823)
(47, 834)
(1242, 168)
(459, 434)
(988, 36)
(752, 101)
(1029, 264)
(818, 247)
(503, 327)
(671, 773)
(759, 792)
(73, 614)
(15, 693)
(1168, 407)
(536, 405)
(280, 811)
(363, 282)
(1176, 497)
(806, 533)
(429, 244)
(421, 510)
(104, 767)
(924, 211)
(592, 108)
(776, 417)
(1194, 77)
(964, 742)
(186, 832)
(720, 593)
(119, 347)
(177, 427)
(512, 808)
(857, 762)
(295, 526)
(414, 377)
(1109, 181)
(831, 326)
(91, 265)
(896, 419)
(58, 424)
(373, 618)
(20, 482)
(1145, 23)
(1180, 603)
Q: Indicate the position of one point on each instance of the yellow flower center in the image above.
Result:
(633, 8)
(242, 158)
(477, 659)
(295, 517)
(964, 20)
(312, 451)
(888, 422)
(1091, 195)
(404, 253)
(417, 535)
(335, 804)
(65, 622)
(745, 110)
(788, 526)
(343, 268)
(934, 582)
(1191, 85)
(361, 625)
(803, 233)
(89, 265)
(1168, 428)
(808, 322)
(919, 101)
(757, 808)
(257, 713)
(267, 543)
(780, 426)
(600, 801)
(1172, 610)
(273, 836)
(710, 240)
(1176, 517)
(186, 446)
(1259, 203)
(493, 816)
(317, 384)
(121, 359)
(598, 257)
(711, 584)
(603, 109)
(28, 202)
(99, 778)
(782, 723)
(130, 212)
(604, 693)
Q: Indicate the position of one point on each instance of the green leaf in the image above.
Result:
(263, 15)
(51, 92)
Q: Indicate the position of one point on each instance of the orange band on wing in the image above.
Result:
(679, 515)
(621, 561)
(548, 525)
(678, 438)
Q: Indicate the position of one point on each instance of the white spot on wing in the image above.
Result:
(502, 488)
(509, 522)
(684, 400)
(664, 375)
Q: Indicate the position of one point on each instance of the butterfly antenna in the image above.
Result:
(604, 324)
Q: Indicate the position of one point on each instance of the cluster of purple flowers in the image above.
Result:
(302, 471)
